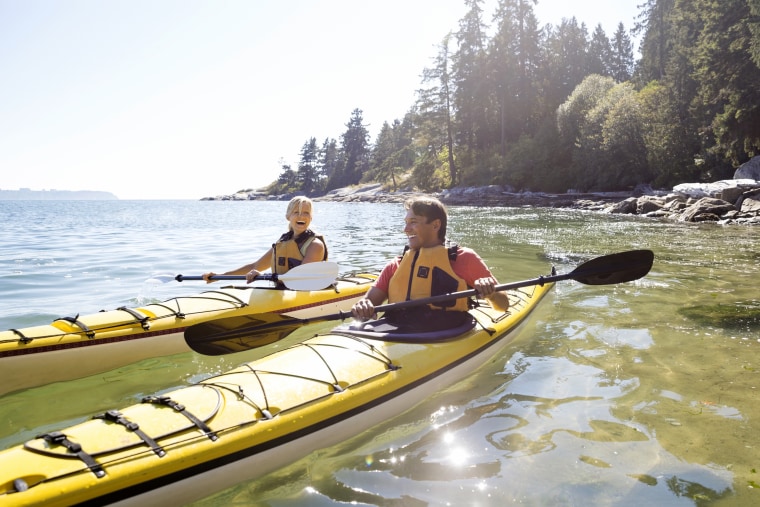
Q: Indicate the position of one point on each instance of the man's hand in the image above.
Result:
(363, 309)
(485, 286)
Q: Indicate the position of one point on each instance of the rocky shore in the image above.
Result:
(724, 202)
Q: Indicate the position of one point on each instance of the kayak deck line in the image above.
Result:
(106, 340)
(264, 413)
(91, 333)
(245, 385)
(89, 343)
(145, 321)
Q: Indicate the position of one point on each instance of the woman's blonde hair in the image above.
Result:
(297, 203)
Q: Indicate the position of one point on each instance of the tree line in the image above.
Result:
(558, 108)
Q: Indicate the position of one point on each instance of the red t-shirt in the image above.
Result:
(468, 266)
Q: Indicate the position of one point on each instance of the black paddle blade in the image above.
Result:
(233, 334)
(615, 268)
(238, 334)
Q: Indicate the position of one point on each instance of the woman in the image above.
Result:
(297, 246)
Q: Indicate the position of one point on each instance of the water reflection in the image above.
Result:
(644, 393)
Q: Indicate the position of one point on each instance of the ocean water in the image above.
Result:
(638, 393)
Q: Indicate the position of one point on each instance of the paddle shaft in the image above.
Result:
(541, 280)
(605, 270)
(401, 304)
(268, 276)
(309, 276)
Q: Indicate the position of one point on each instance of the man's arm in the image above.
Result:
(364, 309)
(470, 266)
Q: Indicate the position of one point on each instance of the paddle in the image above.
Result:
(311, 276)
(225, 336)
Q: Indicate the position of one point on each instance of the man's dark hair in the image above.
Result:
(430, 208)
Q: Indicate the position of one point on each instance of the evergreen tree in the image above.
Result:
(600, 53)
(287, 181)
(728, 80)
(308, 176)
(540, 109)
(754, 29)
(469, 75)
(435, 120)
(670, 146)
(622, 55)
(392, 153)
(328, 160)
(566, 60)
(513, 56)
(530, 61)
(355, 152)
(657, 41)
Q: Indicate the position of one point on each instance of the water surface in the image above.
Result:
(638, 393)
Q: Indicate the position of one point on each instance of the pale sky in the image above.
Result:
(183, 99)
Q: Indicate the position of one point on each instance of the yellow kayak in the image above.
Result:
(188, 443)
(75, 347)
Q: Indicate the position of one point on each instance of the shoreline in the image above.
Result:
(492, 195)
(723, 202)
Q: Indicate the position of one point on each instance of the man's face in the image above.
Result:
(419, 232)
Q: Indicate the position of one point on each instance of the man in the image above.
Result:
(429, 268)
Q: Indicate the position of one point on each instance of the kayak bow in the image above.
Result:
(253, 419)
(106, 340)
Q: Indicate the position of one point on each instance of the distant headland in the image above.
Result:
(26, 194)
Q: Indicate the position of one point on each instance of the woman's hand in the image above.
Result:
(251, 275)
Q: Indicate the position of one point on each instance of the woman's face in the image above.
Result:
(300, 218)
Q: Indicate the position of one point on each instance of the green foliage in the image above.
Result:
(621, 67)
(572, 113)
(604, 121)
(286, 183)
(753, 24)
(393, 153)
(308, 171)
(426, 174)
(353, 160)
(553, 108)
(670, 145)
(729, 81)
(600, 53)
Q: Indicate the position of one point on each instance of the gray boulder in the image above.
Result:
(706, 209)
(749, 170)
(750, 202)
(727, 190)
